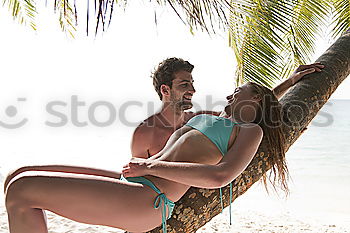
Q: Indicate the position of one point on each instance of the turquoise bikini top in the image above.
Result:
(218, 130)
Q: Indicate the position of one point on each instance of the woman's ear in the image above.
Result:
(165, 90)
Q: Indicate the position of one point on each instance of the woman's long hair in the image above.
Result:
(269, 118)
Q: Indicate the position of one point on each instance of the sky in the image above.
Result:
(105, 80)
(126, 53)
(89, 79)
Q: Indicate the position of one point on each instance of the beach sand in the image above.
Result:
(243, 221)
(247, 216)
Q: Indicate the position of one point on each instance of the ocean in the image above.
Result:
(319, 165)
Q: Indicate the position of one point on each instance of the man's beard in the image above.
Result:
(181, 105)
(185, 105)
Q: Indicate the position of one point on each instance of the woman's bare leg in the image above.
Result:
(61, 168)
(86, 199)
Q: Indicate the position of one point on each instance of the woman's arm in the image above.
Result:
(62, 168)
(192, 174)
(202, 175)
(298, 74)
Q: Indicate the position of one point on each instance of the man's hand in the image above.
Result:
(136, 167)
(303, 70)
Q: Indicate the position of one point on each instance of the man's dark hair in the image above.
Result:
(164, 74)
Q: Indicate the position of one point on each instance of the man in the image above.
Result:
(173, 82)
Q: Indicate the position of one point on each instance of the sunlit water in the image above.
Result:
(319, 164)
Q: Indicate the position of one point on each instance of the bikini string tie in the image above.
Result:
(161, 199)
(222, 205)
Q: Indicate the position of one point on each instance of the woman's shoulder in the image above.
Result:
(251, 128)
(202, 115)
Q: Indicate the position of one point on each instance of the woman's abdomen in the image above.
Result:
(193, 147)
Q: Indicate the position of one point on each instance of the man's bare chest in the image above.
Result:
(159, 140)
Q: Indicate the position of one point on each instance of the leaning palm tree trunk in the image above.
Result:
(301, 104)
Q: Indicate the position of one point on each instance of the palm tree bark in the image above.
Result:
(300, 106)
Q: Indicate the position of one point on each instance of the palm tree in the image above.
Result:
(199, 206)
(269, 38)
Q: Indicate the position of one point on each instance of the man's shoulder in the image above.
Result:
(147, 137)
(142, 139)
(144, 127)
(149, 125)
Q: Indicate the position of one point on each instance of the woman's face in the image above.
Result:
(243, 92)
(243, 99)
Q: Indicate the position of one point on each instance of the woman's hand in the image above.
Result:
(298, 74)
(136, 167)
(303, 70)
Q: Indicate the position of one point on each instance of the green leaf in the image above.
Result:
(341, 17)
(24, 11)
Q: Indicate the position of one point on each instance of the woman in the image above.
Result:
(193, 156)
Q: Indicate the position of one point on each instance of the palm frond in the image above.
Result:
(341, 17)
(254, 35)
(308, 20)
(199, 14)
(103, 10)
(271, 37)
(24, 11)
(67, 16)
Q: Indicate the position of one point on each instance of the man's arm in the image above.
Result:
(203, 175)
(298, 74)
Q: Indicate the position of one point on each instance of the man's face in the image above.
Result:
(182, 90)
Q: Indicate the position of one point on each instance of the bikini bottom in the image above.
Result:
(161, 199)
